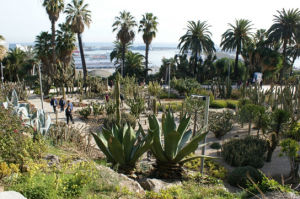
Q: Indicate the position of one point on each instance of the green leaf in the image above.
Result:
(184, 124)
(190, 147)
(136, 147)
(116, 150)
(128, 143)
(106, 133)
(169, 124)
(154, 126)
(156, 148)
(141, 151)
(195, 157)
(103, 146)
(171, 144)
(186, 137)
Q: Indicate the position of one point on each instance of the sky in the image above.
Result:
(22, 20)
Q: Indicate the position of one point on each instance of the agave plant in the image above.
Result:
(170, 155)
(122, 146)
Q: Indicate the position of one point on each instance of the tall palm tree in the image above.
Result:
(148, 25)
(14, 62)
(197, 39)
(65, 43)
(285, 28)
(294, 50)
(124, 25)
(3, 50)
(53, 8)
(134, 64)
(235, 38)
(78, 16)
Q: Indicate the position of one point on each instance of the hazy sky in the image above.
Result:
(22, 20)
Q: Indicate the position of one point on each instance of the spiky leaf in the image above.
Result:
(171, 144)
(128, 142)
(102, 145)
(156, 148)
(142, 149)
(186, 137)
(116, 150)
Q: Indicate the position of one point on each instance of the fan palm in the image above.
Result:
(148, 25)
(235, 38)
(65, 43)
(78, 16)
(2, 48)
(14, 62)
(134, 64)
(44, 51)
(285, 28)
(197, 39)
(124, 25)
(53, 8)
(116, 53)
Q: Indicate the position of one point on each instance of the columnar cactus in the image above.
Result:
(154, 107)
(117, 91)
(271, 144)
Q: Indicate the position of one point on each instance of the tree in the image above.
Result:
(124, 25)
(148, 25)
(77, 17)
(3, 50)
(14, 62)
(197, 39)
(134, 64)
(65, 41)
(53, 8)
(116, 53)
(278, 119)
(294, 51)
(248, 113)
(285, 28)
(236, 37)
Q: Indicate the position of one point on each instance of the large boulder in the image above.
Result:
(114, 178)
(157, 184)
(11, 195)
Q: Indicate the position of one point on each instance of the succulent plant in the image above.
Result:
(271, 144)
(97, 109)
(85, 112)
(122, 146)
(170, 154)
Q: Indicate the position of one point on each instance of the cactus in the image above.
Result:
(106, 84)
(154, 107)
(228, 88)
(63, 90)
(271, 144)
(117, 90)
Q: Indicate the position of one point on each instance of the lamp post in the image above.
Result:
(2, 72)
(41, 87)
(169, 64)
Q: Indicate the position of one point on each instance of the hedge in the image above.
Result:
(218, 104)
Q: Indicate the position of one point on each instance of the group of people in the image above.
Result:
(62, 103)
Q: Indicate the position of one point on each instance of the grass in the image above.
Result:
(232, 103)
(218, 104)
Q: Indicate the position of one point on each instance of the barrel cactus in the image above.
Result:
(170, 158)
(122, 146)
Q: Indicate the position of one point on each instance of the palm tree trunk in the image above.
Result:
(123, 60)
(82, 57)
(236, 64)
(53, 43)
(146, 59)
(283, 64)
(195, 64)
(166, 76)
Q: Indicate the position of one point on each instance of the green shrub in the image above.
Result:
(248, 151)
(220, 123)
(184, 86)
(137, 106)
(218, 104)
(125, 118)
(53, 87)
(216, 145)
(175, 106)
(85, 112)
(37, 91)
(235, 94)
(110, 107)
(98, 109)
(232, 103)
(164, 95)
(243, 102)
(238, 177)
(294, 131)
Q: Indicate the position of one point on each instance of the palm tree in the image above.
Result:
(116, 53)
(285, 28)
(197, 39)
(78, 16)
(134, 64)
(124, 25)
(3, 50)
(235, 38)
(53, 8)
(260, 35)
(65, 43)
(14, 62)
(294, 51)
(43, 51)
(148, 25)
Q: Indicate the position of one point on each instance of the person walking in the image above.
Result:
(70, 104)
(111, 83)
(107, 98)
(62, 104)
(53, 102)
(69, 115)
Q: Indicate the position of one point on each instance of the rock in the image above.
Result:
(156, 184)
(277, 195)
(11, 195)
(52, 159)
(121, 180)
